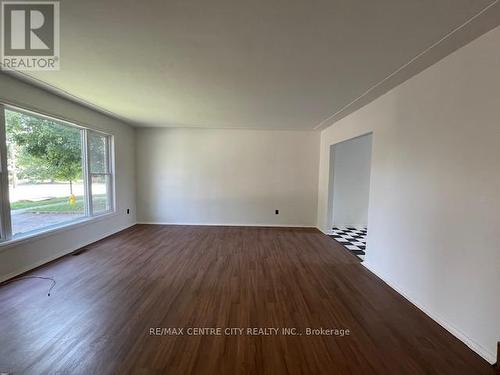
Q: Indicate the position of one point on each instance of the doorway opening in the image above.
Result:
(350, 165)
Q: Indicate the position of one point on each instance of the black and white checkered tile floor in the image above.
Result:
(353, 239)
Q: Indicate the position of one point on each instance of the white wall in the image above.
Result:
(435, 189)
(17, 258)
(351, 181)
(219, 176)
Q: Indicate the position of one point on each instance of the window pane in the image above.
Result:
(45, 172)
(101, 194)
(98, 153)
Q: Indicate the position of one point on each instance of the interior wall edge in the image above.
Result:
(472, 344)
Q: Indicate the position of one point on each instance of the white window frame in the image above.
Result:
(5, 212)
(89, 174)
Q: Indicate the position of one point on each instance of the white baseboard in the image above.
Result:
(350, 225)
(228, 224)
(55, 256)
(328, 232)
(473, 345)
(34, 265)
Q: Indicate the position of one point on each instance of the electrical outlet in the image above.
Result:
(277, 212)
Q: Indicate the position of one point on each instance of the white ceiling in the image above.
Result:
(270, 64)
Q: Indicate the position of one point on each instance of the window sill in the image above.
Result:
(52, 231)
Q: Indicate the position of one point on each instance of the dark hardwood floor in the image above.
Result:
(99, 316)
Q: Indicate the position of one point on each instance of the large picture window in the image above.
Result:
(52, 173)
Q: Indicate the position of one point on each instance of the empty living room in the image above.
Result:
(250, 187)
